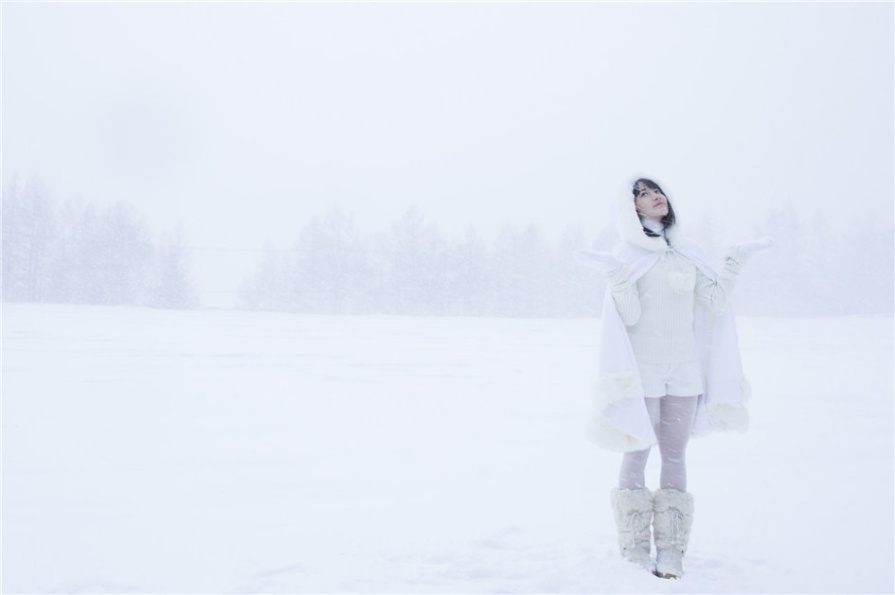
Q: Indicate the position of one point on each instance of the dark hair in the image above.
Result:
(668, 220)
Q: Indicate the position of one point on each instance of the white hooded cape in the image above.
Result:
(621, 421)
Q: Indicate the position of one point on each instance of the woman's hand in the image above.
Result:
(604, 262)
(743, 252)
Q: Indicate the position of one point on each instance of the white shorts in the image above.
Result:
(681, 379)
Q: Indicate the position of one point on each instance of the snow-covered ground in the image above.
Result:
(214, 451)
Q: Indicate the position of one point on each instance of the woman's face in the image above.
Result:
(650, 202)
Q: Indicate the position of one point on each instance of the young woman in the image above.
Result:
(669, 367)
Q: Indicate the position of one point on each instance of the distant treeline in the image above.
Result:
(81, 253)
(414, 269)
(815, 269)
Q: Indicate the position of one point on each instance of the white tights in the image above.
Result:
(672, 418)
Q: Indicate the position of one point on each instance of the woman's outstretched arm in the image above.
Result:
(716, 293)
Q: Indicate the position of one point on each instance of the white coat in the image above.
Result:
(621, 421)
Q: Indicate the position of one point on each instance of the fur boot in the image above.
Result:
(633, 512)
(672, 519)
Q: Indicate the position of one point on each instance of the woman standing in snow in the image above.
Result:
(669, 367)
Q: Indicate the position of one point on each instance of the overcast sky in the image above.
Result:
(239, 121)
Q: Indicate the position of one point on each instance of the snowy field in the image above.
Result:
(235, 452)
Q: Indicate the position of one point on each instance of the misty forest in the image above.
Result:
(79, 252)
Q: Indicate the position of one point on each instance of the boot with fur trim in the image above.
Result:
(672, 520)
(633, 512)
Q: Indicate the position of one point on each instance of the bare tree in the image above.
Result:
(172, 285)
(29, 229)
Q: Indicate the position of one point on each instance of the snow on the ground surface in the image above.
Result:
(234, 452)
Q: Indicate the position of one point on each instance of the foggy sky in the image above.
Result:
(240, 121)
